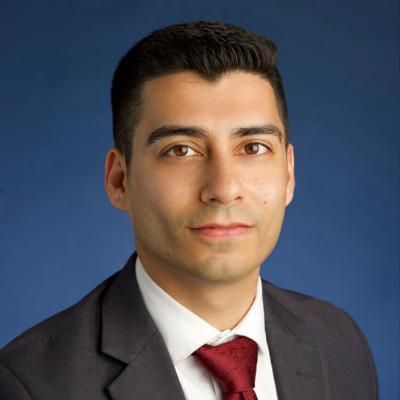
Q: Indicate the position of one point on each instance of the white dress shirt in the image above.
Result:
(184, 332)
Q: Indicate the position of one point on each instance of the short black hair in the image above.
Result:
(209, 48)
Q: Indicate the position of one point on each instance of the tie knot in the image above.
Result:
(233, 364)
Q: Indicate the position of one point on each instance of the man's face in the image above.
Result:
(182, 182)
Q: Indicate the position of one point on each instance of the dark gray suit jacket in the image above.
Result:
(107, 347)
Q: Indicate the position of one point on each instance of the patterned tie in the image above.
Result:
(233, 364)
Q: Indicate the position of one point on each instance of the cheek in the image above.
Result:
(270, 190)
(271, 199)
(163, 195)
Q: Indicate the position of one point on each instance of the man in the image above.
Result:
(204, 168)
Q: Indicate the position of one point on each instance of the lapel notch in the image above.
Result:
(150, 375)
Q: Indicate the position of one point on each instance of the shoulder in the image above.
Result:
(40, 346)
(325, 326)
(310, 313)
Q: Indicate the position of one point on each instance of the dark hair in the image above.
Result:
(206, 47)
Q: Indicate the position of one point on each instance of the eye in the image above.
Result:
(180, 150)
(254, 148)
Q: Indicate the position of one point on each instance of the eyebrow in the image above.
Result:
(197, 132)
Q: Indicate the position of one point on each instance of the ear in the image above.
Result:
(291, 179)
(115, 179)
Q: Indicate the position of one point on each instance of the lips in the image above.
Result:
(235, 229)
(221, 226)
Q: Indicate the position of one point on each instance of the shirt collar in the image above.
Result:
(183, 331)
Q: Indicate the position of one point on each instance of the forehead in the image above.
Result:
(237, 98)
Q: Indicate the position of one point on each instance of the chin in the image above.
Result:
(222, 269)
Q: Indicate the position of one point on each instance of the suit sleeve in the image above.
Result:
(11, 388)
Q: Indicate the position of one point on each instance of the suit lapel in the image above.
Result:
(297, 365)
(130, 335)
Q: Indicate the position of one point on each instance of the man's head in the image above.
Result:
(203, 151)
(207, 48)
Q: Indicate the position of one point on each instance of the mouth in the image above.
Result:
(218, 230)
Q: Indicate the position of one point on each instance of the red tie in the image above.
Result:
(233, 364)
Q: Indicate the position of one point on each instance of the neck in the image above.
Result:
(223, 304)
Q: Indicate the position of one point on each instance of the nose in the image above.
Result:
(221, 181)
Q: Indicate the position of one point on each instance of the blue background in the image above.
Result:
(59, 235)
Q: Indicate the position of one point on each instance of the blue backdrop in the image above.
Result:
(59, 236)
